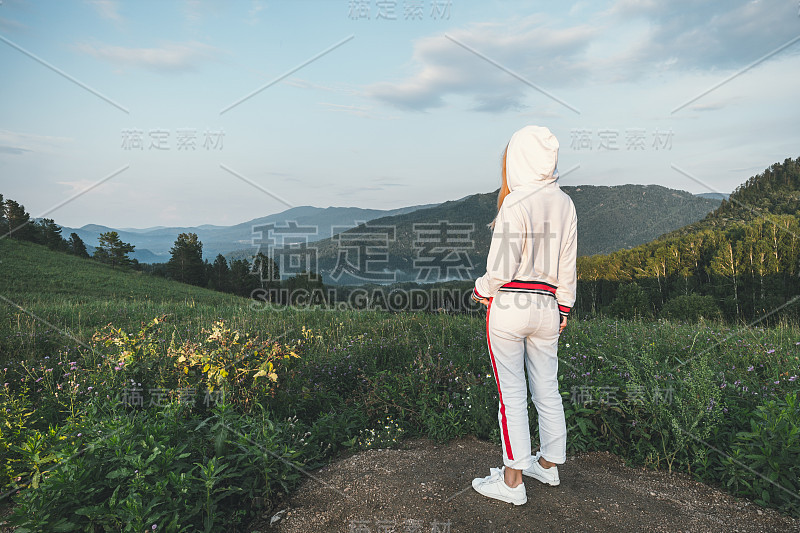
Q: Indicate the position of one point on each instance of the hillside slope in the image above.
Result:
(774, 191)
(32, 272)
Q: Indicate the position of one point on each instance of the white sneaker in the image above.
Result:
(549, 476)
(494, 486)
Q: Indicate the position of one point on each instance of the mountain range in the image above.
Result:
(153, 244)
(610, 218)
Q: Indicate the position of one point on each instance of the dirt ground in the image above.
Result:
(427, 488)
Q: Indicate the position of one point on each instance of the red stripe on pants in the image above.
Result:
(503, 422)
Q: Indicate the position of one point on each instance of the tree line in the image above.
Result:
(16, 223)
(740, 263)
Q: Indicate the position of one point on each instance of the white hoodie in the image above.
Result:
(534, 242)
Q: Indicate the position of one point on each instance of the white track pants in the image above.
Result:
(522, 331)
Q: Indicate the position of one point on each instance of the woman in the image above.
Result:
(528, 289)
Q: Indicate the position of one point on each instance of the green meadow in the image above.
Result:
(131, 402)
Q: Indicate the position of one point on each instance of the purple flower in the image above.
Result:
(771, 351)
(750, 368)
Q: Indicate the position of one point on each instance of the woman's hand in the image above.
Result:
(563, 324)
(484, 301)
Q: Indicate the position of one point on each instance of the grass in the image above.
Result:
(657, 393)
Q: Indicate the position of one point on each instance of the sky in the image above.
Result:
(182, 113)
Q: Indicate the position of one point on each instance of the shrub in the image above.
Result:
(763, 462)
(242, 367)
(631, 302)
(691, 307)
(130, 471)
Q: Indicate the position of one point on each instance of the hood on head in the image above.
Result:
(531, 158)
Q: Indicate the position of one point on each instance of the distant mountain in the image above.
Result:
(153, 244)
(609, 218)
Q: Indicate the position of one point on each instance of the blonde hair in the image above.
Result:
(504, 190)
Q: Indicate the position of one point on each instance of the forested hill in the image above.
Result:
(775, 191)
(609, 218)
(741, 261)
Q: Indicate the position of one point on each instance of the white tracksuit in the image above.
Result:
(530, 282)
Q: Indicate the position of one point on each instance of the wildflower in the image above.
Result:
(750, 368)
(771, 351)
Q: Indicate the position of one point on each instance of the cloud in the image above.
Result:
(630, 41)
(108, 9)
(15, 150)
(170, 57)
(533, 47)
(718, 34)
(494, 103)
(16, 143)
